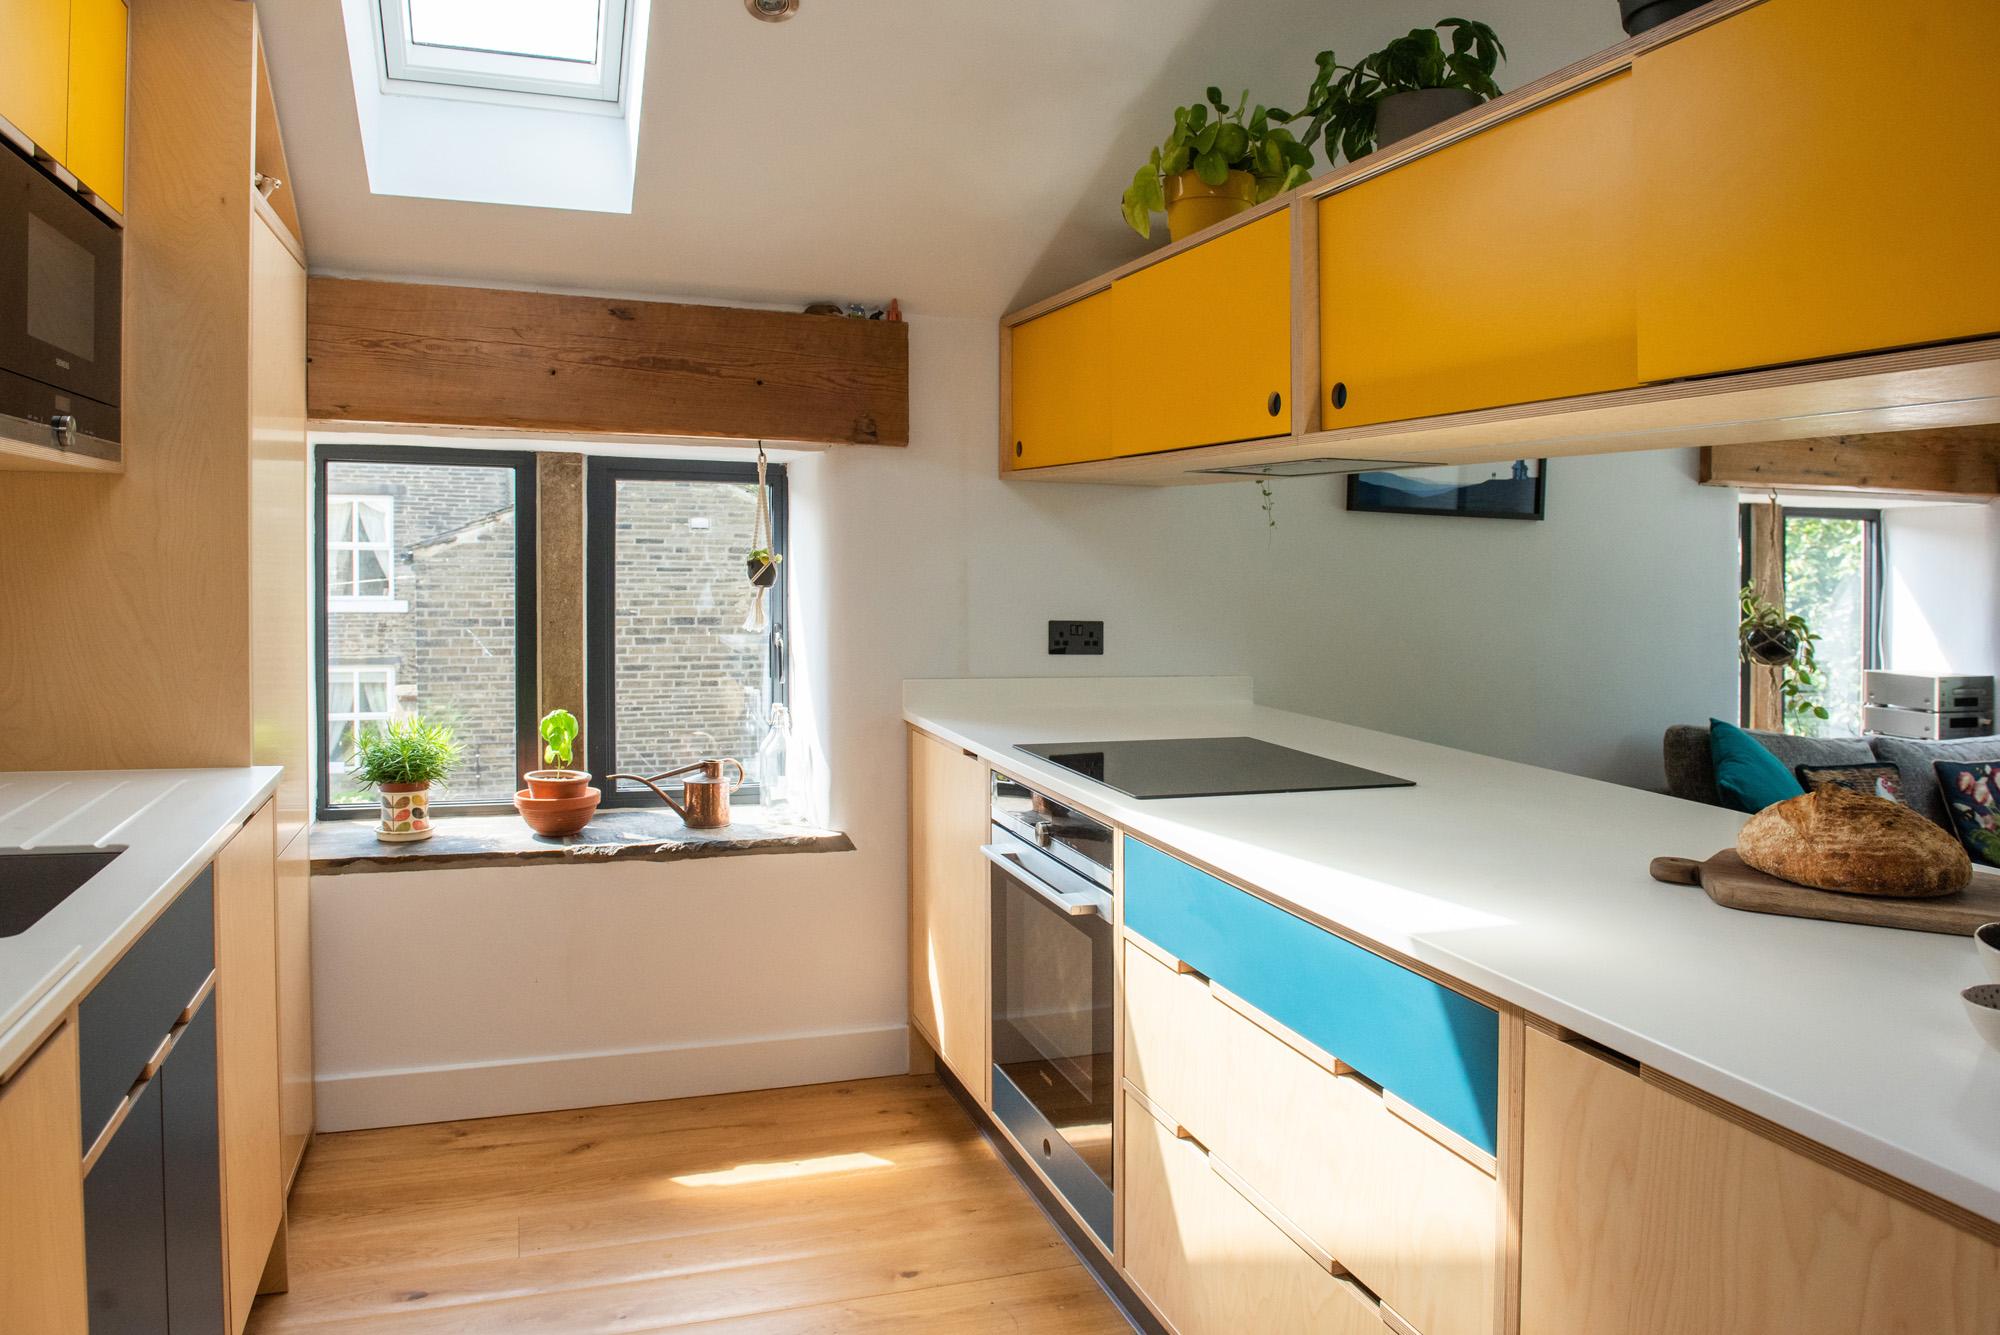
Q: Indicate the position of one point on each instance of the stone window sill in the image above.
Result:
(625, 834)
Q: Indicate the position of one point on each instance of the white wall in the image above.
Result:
(1570, 643)
(1941, 603)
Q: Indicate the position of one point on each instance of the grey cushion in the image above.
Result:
(1920, 781)
(1691, 767)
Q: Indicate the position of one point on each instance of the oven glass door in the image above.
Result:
(61, 282)
(1052, 1025)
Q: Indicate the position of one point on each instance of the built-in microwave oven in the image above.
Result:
(61, 291)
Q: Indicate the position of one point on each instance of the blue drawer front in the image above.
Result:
(1425, 1043)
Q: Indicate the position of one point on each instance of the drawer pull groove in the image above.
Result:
(1394, 1320)
(1419, 1120)
(1305, 1047)
(188, 1011)
(1320, 1256)
(1609, 1056)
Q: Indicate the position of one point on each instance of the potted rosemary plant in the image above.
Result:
(1409, 85)
(1218, 161)
(402, 760)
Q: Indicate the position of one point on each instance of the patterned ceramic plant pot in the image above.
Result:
(406, 812)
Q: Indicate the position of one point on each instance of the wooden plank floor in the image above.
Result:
(868, 1206)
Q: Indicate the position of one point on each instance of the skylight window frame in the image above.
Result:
(409, 68)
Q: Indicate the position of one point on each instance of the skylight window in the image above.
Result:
(571, 49)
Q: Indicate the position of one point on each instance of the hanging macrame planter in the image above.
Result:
(762, 562)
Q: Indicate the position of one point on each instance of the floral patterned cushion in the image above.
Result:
(1876, 779)
(1972, 793)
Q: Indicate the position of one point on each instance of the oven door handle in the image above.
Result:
(1063, 889)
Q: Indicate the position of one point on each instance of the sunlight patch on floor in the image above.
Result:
(745, 1174)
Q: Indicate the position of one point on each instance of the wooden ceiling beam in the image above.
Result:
(415, 354)
(1961, 463)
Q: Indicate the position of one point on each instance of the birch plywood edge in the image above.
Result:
(430, 355)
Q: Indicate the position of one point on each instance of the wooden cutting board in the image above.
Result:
(1735, 884)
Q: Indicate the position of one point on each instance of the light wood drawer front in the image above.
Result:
(1209, 1262)
(1173, 1039)
(1413, 1220)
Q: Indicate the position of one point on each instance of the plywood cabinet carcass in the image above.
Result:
(950, 908)
(1645, 1212)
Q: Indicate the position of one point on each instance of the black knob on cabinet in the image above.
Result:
(1275, 403)
(1017, 449)
(1340, 394)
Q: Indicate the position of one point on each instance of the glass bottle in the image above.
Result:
(774, 763)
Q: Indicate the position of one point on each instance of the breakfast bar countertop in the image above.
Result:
(1532, 885)
(169, 824)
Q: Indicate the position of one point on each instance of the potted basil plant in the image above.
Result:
(559, 731)
(1409, 85)
(402, 760)
(1218, 161)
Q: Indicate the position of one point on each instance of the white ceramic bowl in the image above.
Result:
(1982, 1003)
(1987, 942)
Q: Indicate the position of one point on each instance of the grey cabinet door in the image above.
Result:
(125, 1233)
(193, 1174)
(122, 1020)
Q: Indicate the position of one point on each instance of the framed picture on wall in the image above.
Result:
(1512, 490)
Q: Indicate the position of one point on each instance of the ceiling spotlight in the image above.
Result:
(772, 11)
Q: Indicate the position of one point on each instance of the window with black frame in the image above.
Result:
(679, 669)
(424, 592)
(1833, 565)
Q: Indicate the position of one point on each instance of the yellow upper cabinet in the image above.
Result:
(1202, 352)
(34, 70)
(1062, 385)
(96, 152)
(1788, 214)
(1496, 270)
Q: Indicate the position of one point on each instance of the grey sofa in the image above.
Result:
(1691, 768)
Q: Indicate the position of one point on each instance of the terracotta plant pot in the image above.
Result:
(1193, 204)
(406, 812)
(557, 782)
(557, 817)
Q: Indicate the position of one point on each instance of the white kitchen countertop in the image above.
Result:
(171, 824)
(1532, 885)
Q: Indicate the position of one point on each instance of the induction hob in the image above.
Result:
(1207, 767)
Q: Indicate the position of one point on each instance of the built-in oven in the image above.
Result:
(1054, 993)
(61, 287)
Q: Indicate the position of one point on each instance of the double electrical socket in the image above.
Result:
(1076, 637)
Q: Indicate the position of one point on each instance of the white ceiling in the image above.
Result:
(965, 157)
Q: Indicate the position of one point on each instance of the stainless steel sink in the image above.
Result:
(33, 881)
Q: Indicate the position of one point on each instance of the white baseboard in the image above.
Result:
(350, 1102)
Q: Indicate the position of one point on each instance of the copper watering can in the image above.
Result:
(705, 793)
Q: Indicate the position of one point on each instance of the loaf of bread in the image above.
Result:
(1834, 838)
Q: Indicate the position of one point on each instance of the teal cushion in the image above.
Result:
(1748, 777)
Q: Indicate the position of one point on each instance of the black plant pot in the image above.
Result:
(1639, 15)
(763, 574)
(1772, 646)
